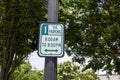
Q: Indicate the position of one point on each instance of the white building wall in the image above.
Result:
(109, 77)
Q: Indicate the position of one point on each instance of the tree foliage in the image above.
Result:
(93, 32)
(66, 71)
(71, 71)
(25, 72)
(19, 21)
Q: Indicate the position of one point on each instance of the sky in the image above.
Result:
(38, 62)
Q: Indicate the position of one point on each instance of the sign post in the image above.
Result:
(51, 43)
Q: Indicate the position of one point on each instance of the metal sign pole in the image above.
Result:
(50, 71)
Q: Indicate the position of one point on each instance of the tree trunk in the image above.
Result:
(6, 55)
(4, 74)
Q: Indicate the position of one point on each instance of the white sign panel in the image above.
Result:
(51, 40)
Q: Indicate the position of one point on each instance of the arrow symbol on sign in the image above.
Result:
(46, 50)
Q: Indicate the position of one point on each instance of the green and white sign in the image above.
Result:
(51, 40)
